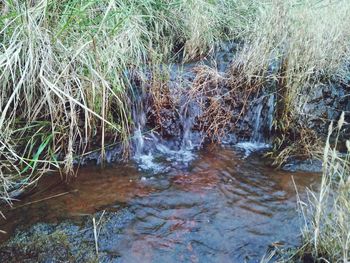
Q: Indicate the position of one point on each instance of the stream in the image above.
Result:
(223, 206)
(179, 198)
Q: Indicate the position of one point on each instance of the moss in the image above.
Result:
(57, 246)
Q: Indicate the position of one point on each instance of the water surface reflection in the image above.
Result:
(220, 209)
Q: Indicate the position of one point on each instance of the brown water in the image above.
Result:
(220, 209)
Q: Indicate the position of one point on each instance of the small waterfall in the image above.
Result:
(187, 118)
(139, 117)
(188, 114)
(271, 111)
(263, 123)
(186, 140)
(187, 122)
(256, 135)
(150, 149)
(152, 152)
(139, 141)
(143, 154)
(260, 122)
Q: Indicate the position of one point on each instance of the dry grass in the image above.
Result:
(297, 142)
(301, 41)
(65, 67)
(326, 233)
(295, 45)
(208, 91)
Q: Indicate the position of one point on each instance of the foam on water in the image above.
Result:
(182, 155)
(154, 154)
(251, 147)
(160, 157)
(147, 162)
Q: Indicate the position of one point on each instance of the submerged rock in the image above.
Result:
(310, 165)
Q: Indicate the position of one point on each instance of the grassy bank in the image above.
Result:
(298, 44)
(65, 66)
(326, 213)
(65, 69)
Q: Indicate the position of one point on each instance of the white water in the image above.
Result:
(257, 142)
(159, 157)
(139, 141)
(256, 136)
(154, 154)
(271, 105)
(251, 147)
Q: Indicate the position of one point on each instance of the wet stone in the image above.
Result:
(304, 165)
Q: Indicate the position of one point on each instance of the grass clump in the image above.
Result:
(298, 43)
(65, 69)
(326, 233)
(294, 46)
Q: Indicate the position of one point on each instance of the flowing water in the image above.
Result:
(218, 208)
(257, 135)
(179, 202)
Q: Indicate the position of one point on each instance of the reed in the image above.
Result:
(326, 213)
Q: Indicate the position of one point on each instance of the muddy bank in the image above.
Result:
(223, 206)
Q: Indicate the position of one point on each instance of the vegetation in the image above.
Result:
(326, 234)
(298, 44)
(326, 212)
(66, 69)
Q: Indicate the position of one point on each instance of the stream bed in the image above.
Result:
(223, 206)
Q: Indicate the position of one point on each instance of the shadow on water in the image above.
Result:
(222, 208)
